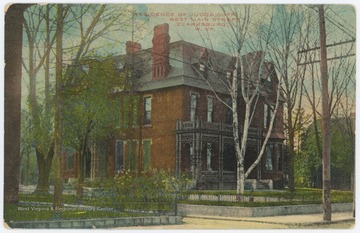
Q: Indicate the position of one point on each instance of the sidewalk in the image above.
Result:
(313, 221)
(291, 220)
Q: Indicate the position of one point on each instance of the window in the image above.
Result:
(126, 111)
(210, 63)
(147, 154)
(135, 110)
(209, 109)
(269, 162)
(187, 160)
(208, 156)
(193, 100)
(131, 154)
(191, 151)
(229, 158)
(279, 157)
(228, 74)
(272, 112)
(69, 160)
(229, 114)
(119, 157)
(147, 110)
(268, 78)
(202, 70)
(266, 116)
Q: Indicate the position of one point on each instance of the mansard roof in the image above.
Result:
(184, 60)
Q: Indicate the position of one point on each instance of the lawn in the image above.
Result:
(38, 207)
(20, 212)
(33, 207)
(300, 196)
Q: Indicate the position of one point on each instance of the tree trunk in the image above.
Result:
(81, 160)
(44, 167)
(236, 134)
(80, 173)
(57, 203)
(13, 51)
(242, 151)
(240, 186)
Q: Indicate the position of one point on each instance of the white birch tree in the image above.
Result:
(244, 84)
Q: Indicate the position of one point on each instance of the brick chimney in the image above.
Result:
(132, 47)
(160, 52)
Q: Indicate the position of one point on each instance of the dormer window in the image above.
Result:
(193, 104)
(228, 74)
(202, 67)
(268, 78)
(210, 63)
(209, 109)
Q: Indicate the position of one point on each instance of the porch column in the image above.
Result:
(178, 155)
(197, 152)
(193, 157)
(221, 160)
(259, 166)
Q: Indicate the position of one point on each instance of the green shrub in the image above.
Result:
(152, 189)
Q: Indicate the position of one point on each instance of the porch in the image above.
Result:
(206, 152)
(226, 180)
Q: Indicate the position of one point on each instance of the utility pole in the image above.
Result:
(349, 54)
(58, 115)
(325, 118)
(325, 99)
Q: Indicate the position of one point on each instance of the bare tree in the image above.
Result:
(40, 39)
(244, 82)
(341, 70)
(290, 38)
(90, 23)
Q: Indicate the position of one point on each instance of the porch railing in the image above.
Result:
(229, 175)
(213, 175)
(210, 174)
(210, 126)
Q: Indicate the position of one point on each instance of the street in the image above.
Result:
(203, 223)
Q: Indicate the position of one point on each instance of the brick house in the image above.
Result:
(172, 120)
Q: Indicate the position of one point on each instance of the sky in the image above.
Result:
(192, 22)
(196, 23)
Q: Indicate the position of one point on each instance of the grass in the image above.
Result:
(47, 198)
(33, 207)
(306, 195)
(245, 204)
(38, 207)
